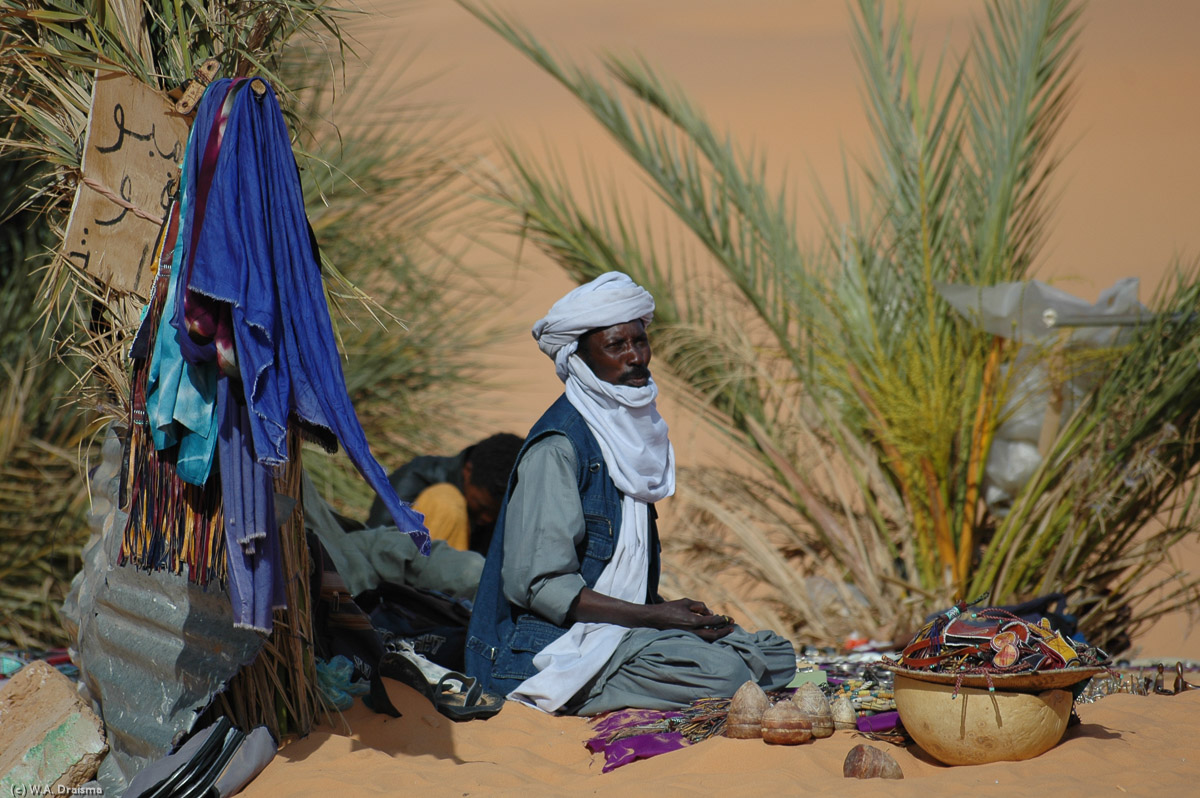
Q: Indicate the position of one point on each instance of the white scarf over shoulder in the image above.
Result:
(640, 459)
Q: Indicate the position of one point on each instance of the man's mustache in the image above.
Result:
(635, 373)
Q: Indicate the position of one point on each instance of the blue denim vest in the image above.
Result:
(503, 638)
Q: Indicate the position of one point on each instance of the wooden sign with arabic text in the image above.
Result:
(132, 153)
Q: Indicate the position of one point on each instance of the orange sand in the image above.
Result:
(779, 74)
(1143, 746)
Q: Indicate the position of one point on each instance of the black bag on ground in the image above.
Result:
(433, 623)
(341, 627)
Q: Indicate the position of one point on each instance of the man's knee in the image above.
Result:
(726, 672)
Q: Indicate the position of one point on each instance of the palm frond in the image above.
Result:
(867, 406)
(385, 185)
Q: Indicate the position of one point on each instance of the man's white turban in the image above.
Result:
(612, 298)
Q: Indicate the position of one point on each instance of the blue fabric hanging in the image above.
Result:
(254, 251)
(255, 567)
(181, 391)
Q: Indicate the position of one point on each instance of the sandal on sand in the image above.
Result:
(456, 696)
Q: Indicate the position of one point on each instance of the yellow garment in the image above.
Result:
(445, 510)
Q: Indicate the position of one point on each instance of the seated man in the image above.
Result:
(567, 616)
(459, 495)
(370, 558)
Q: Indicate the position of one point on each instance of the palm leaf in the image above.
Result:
(843, 366)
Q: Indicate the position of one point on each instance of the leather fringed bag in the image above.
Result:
(992, 640)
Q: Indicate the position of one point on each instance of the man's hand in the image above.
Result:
(690, 616)
(685, 614)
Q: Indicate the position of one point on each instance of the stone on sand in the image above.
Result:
(49, 738)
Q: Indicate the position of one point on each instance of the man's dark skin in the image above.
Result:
(482, 506)
(620, 355)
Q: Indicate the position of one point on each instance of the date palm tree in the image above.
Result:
(379, 181)
(865, 406)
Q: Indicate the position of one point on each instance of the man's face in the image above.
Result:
(482, 506)
(619, 354)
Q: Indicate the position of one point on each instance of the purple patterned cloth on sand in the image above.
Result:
(619, 749)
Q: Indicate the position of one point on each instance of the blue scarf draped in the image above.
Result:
(246, 256)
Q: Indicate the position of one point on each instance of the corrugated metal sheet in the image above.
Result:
(152, 648)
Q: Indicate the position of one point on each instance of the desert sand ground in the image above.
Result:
(780, 74)
(1125, 745)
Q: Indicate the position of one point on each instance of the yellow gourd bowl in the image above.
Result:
(979, 726)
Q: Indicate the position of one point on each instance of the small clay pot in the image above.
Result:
(746, 711)
(783, 724)
(844, 716)
(814, 707)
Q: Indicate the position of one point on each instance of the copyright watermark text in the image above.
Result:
(38, 790)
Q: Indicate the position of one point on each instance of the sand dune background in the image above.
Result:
(780, 74)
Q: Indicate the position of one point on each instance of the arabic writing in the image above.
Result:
(134, 148)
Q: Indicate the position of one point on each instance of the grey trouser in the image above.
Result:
(654, 669)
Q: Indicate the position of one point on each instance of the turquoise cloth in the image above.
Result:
(181, 397)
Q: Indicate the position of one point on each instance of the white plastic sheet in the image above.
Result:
(1019, 312)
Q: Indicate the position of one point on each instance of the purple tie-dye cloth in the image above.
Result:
(621, 749)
